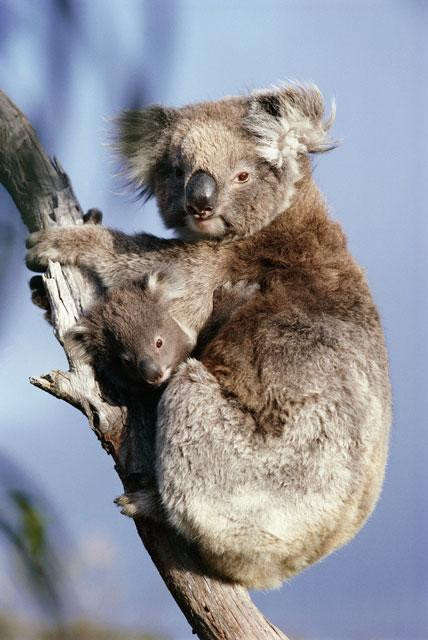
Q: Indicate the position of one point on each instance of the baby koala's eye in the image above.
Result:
(126, 357)
(178, 171)
(159, 343)
(241, 177)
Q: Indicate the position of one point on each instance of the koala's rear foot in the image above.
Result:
(143, 503)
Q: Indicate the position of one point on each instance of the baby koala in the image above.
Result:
(130, 336)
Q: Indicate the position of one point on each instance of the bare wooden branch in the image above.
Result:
(43, 194)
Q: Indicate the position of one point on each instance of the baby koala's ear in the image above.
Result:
(78, 341)
(141, 138)
(166, 288)
(163, 286)
(288, 121)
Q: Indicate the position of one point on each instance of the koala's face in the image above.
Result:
(131, 336)
(211, 182)
(151, 348)
(226, 168)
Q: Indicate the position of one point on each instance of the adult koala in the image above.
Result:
(271, 448)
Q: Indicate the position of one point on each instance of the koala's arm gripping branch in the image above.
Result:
(42, 192)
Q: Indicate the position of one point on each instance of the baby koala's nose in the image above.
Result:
(150, 371)
(201, 194)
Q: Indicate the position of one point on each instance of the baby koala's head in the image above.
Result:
(130, 334)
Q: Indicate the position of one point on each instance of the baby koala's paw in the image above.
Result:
(143, 503)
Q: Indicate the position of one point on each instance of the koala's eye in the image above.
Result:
(126, 357)
(159, 343)
(178, 172)
(241, 177)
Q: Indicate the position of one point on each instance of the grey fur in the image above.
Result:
(271, 447)
(131, 334)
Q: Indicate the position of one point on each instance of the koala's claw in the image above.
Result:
(93, 216)
(42, 246)
(32, 239)
(139, 504)
(39, 297)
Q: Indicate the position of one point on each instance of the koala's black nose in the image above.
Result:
(201, 194)
(150, 370)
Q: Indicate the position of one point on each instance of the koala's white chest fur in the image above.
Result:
(262, 509)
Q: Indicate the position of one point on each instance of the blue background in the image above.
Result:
(68, 66)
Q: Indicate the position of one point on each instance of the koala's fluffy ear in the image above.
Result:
(166, 288)
(141, 138)
(288, 121)
(163, 286)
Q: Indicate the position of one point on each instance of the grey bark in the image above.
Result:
(43, 194)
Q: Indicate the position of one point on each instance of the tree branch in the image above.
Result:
(43, 194)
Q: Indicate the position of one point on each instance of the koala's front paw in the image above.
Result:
(144, 503)
(43, 246)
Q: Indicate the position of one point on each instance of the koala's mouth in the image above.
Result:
(201, 216)
(200, 219)
(212, 225)
(160, 379)
(203, 223)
